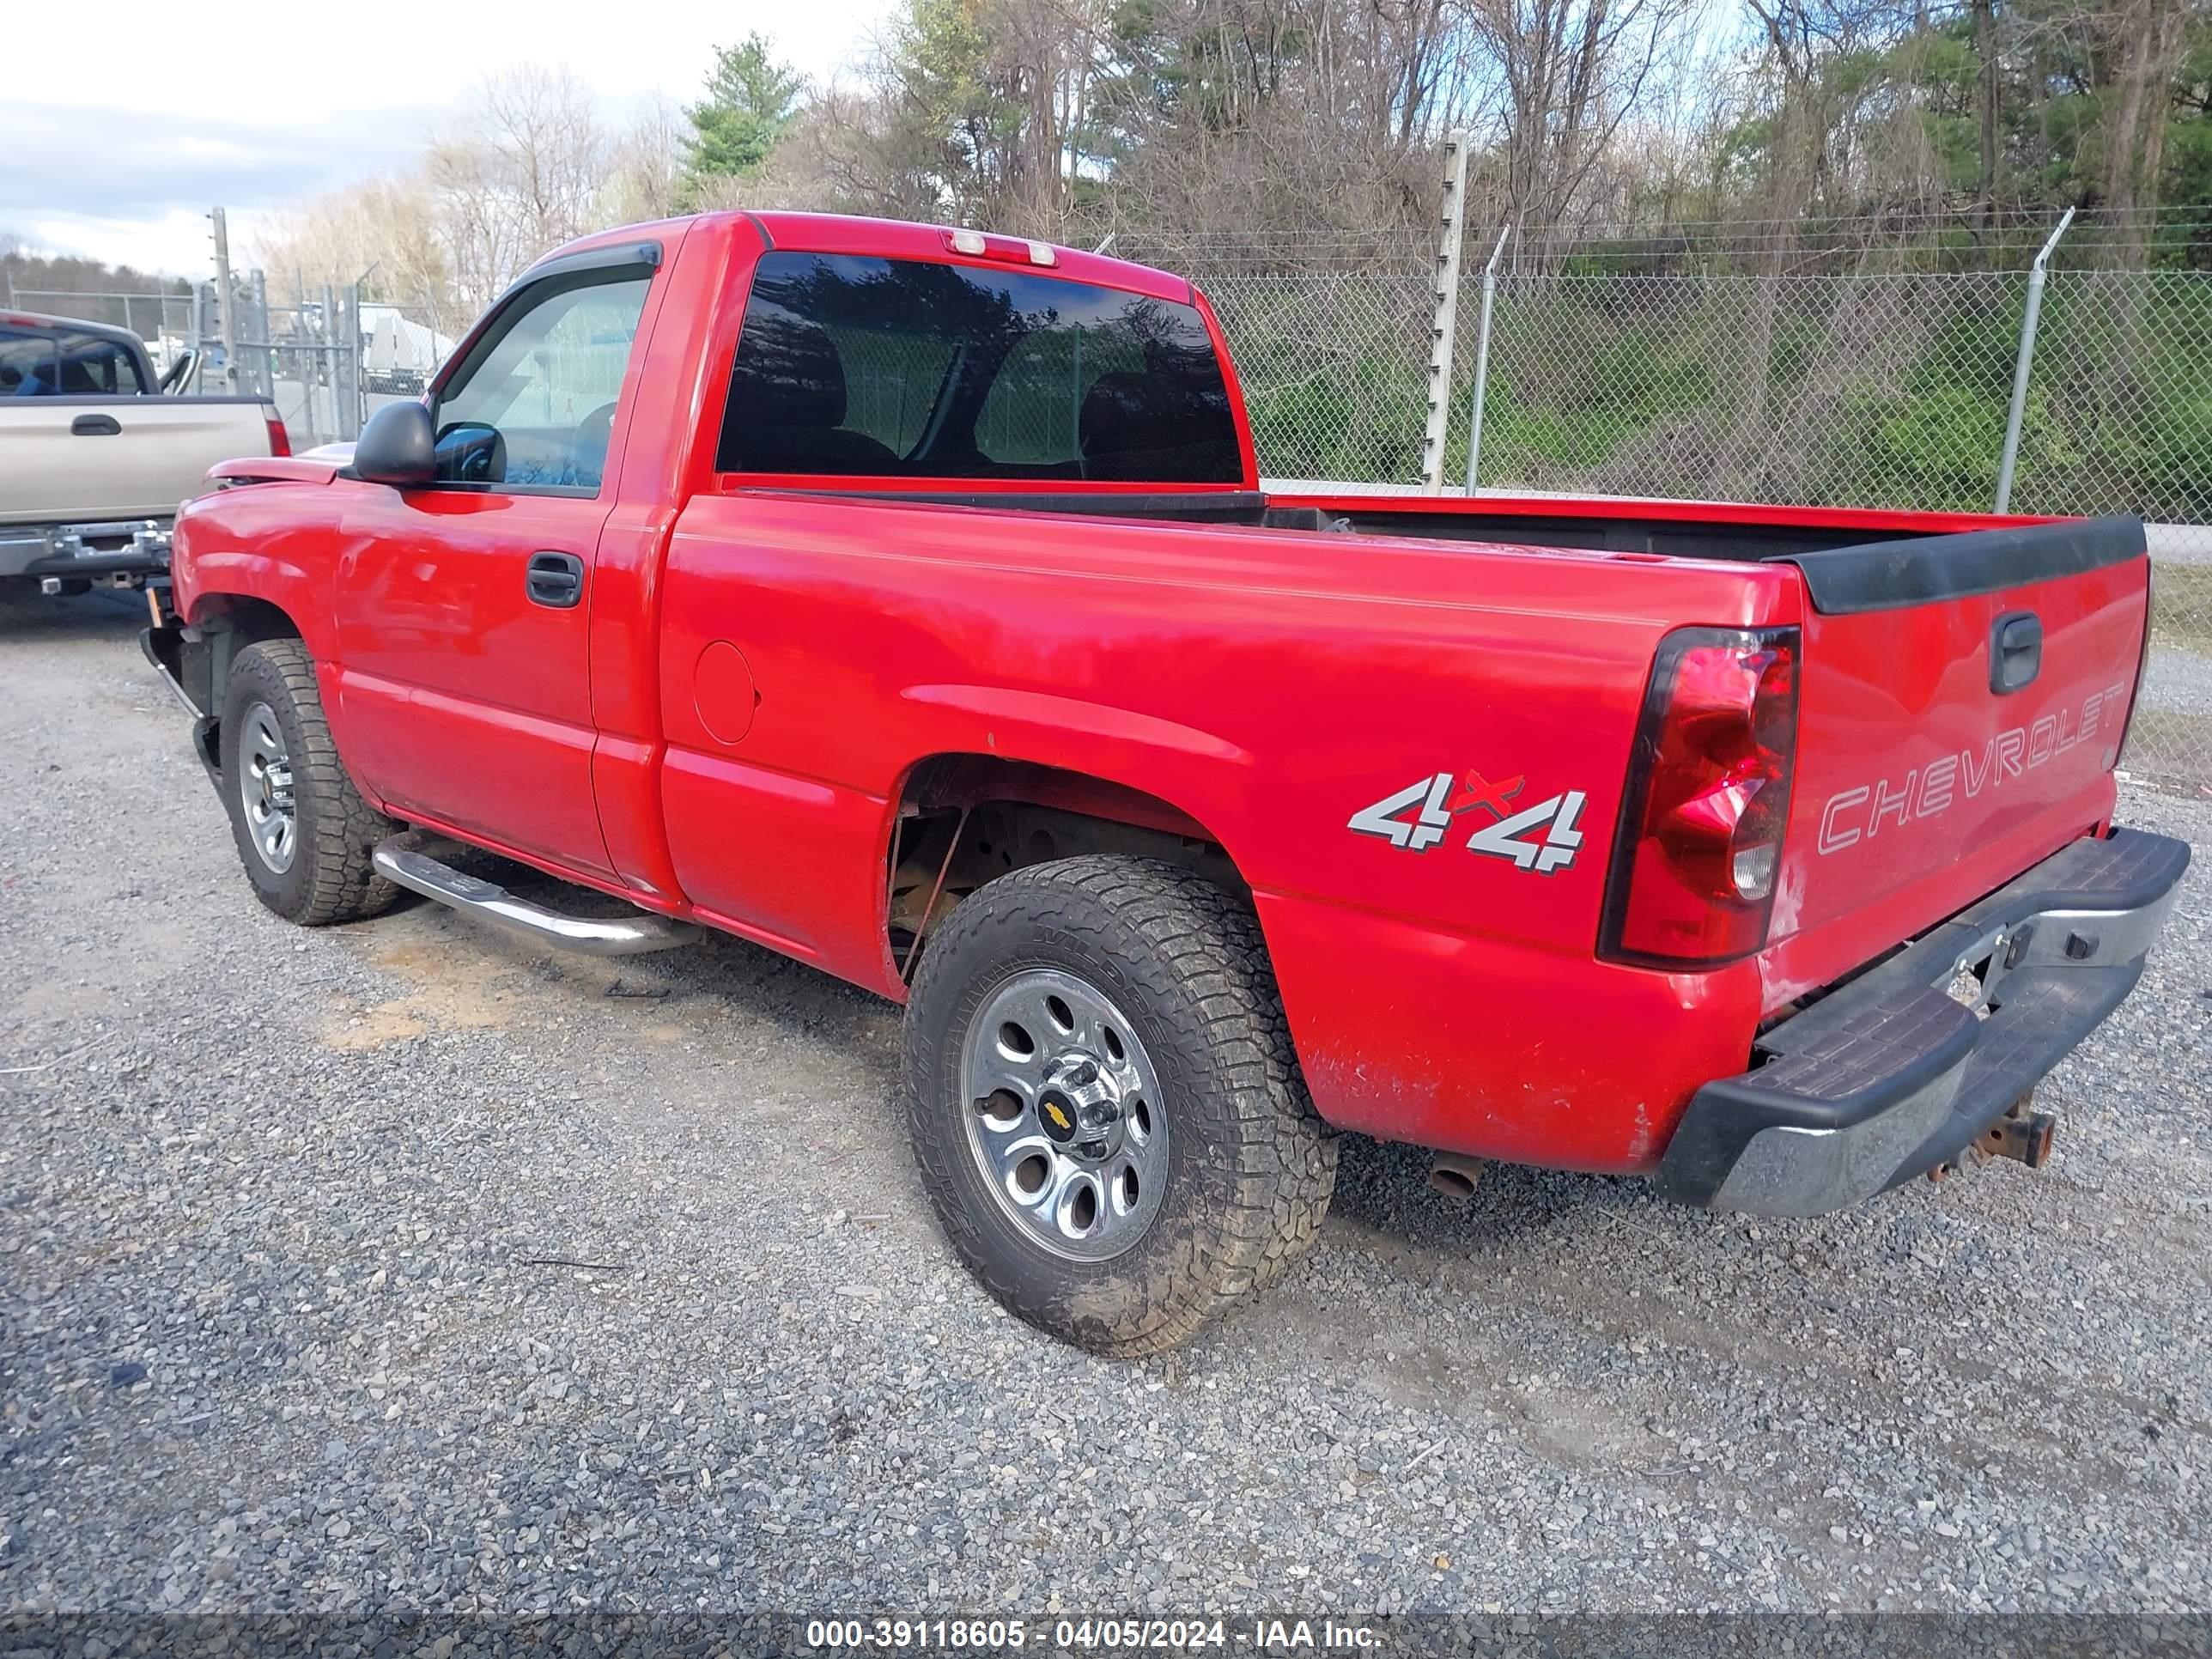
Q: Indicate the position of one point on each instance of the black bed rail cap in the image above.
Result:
(1895, 575)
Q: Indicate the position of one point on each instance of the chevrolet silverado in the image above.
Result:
(906, 600)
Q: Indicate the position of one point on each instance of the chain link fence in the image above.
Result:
(306, 358)
(1333, 366)
(1887, 390)
(2119, 420)
(1880, 390)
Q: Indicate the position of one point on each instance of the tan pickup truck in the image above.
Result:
(95, 453)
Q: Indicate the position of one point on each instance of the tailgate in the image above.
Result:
(71, 461)
(1961, 710)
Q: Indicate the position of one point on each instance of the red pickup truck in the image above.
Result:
(905, 599)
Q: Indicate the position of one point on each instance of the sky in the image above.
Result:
(292, 103)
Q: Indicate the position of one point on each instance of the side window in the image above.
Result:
(30, 365)
(534, 403)
(90, 364)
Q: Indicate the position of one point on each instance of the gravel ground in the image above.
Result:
(2178, 676)
(401, 1264)
(2171, 747)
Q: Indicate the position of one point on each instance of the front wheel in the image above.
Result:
(303, 831)
(1104, 1104)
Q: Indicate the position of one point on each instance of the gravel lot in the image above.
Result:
(295, 1311)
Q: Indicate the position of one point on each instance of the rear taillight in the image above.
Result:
(1699, 845)
(280, 441)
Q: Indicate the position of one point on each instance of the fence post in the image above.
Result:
(265, 366)
(2037, 274)
(1482, 358)
(349, 360)
(1445, 322)
(226, 299)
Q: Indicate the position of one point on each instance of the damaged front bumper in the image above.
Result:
(1890, 1076)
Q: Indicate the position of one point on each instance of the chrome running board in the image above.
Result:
(402, 861)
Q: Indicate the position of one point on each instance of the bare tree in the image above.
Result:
(1572, 71)
(645, 165)
(382, 232)
(521, 175)
(2145, 55)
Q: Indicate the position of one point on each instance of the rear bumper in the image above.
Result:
(1890, 1076)
(125, 547)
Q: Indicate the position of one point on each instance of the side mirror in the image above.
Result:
(468, 451)
(183, 375)
(397, 447)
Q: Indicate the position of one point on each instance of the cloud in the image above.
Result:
(284, 114)
(147, 168)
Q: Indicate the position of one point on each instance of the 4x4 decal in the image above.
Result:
(1433, 802)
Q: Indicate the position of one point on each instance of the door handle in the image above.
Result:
(555, 580)
(2015, 651)
(95, 426)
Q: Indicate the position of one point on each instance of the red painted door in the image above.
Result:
(464, 606)
(464, 700)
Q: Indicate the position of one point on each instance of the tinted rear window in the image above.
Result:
(30, 364)
(852, 366)
(92, 364)
(34, 364)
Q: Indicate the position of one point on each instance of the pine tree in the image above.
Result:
(751, 102)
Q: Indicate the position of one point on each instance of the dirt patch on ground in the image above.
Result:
(452, 992)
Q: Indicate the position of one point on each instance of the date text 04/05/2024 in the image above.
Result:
(1088, 1635)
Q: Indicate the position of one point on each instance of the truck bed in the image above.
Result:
(89, 458)
(1696, 530)
(1920, 787)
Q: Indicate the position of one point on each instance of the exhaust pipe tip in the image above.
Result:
(1453, 1176)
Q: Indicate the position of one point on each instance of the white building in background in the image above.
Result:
(398, 355)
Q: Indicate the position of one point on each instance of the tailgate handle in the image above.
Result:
(2015, 651)
(555, 581)
(95, 426)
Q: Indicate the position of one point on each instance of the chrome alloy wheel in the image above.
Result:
(265, 788)
(1063, 1115)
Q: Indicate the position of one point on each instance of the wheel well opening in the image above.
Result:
(964, 820)
(224, 624)
(248, 621)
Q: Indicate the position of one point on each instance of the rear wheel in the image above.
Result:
(304, 834)
(1104, 1104)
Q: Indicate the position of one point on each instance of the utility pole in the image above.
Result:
(225, 300)
(1444, 326)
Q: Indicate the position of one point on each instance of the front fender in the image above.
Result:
(269, 544)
